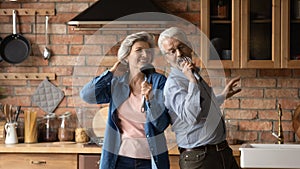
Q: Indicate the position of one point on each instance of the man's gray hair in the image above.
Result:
(128, 42)
(173, 32)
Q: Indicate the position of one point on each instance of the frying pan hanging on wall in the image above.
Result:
(14, 48)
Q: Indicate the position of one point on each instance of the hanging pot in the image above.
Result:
(14, 48)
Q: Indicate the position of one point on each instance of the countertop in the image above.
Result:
(53, 147)
(73, 148)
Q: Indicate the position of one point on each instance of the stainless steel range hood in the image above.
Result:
(105, 11)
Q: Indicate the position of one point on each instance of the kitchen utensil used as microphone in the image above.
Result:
(195, 73)
(147, 69)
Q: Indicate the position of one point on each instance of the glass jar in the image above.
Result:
(81, 136)
(66, 129)
(48, 128)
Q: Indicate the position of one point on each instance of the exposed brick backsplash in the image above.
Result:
(253, 110)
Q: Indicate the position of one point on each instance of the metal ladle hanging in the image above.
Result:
(46, 52)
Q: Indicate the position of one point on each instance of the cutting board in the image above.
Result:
(99, 121)
(296, 121)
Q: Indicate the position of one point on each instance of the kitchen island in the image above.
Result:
(66, 155)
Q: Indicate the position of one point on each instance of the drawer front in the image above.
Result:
(38, 161)
(89, 161)
(174, 161)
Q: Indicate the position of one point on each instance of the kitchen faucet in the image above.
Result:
(279, 136)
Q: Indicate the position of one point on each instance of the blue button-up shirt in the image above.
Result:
(107, 88)
(195, 111)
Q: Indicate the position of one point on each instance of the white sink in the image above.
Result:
(270, 156)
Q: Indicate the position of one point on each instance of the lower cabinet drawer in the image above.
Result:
(174, 161)
(88, 161)
(38, 161)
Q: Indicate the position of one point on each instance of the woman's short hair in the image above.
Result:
(173, 32)
(128, 42)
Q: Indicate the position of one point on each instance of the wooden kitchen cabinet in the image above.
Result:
(223, 31)
(290, 34)
(89, 161)
(49, 155)
(38, 161)
(260, 34)
(174, 161)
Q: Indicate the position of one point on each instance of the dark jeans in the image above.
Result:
(208, 158)
(132, 163)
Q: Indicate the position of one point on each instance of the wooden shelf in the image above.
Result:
(28, 11)
(27, 76)
(295, 21)
(261, 21)
(221, 21)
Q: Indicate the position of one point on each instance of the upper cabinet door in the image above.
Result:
(220, 22)
(251, 33)
(260, 34)
(290, 33)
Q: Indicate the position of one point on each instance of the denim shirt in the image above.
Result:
(107, 88)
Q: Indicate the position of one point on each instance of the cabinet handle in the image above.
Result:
(38, 162)
(98, 163)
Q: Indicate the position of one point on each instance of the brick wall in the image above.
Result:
(253, 110)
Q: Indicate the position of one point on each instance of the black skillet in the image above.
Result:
(14, 48)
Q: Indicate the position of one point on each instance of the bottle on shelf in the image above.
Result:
(222, 9)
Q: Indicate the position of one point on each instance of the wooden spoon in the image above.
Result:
(6, 112)
(10, 113)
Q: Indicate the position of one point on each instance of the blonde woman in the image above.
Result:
(134, 137)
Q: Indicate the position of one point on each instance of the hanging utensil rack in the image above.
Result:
(27, 11)
(27, 76)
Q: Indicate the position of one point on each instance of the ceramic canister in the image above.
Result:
(11, 133)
